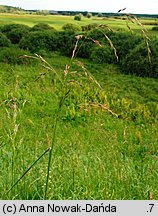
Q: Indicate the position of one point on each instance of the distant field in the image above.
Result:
(57, 21)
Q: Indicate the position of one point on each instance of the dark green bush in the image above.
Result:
(89, 27)
(10, 55)
(40, 40)
(71, 27)
(99, 34)
(100, 15)
(137, 61)
(66, 42)
(15, 32)
(15, 35)
(155, 28)
(124, 42)
(41, 27)
(78, 17)
(89, 15)
(102, 54)
(84, 48)
(8, 27)
(89, 44)
(4, 41)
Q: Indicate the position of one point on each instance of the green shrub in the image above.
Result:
(4, 41)
(15, 35)
(89, 27)
(71, 27)
(89, 15)
(88, 46)
(10, 55)
(124, 42)
(137, 61)
(99, 34)
(78, 17)
(155, 28)
(9, 27)
(15, 32)
(102, 54)
(100, 15)
(42, 26)
(66, 42)
(40, 40)
(84, 48)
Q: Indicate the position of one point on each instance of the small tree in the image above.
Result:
(89, 15)
(71, 27)
(78, 17)
(100, 15)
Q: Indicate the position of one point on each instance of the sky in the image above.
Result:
(133, 6)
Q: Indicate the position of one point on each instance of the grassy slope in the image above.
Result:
(103, 158)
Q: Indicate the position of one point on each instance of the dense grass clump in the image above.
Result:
(11, 55)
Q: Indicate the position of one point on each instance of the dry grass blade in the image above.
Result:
(102, 106)
(130, 29)
(74, 50)
(149, 51)
(144, 31)
(150, 195)
(95, 41)
(103, 26)
(67, 68)
(88, 74)
(112, 46)
(46, 65)
(26, 56)
(78, 37)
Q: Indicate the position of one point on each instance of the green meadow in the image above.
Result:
(57, 21)
(100, 125)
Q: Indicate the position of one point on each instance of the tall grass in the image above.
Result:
(96, 155)
(66, 82)
(124, 145)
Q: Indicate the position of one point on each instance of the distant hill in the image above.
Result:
(10, 9)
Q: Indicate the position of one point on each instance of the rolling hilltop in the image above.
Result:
(9, 9)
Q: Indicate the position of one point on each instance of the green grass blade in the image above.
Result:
(28, 170)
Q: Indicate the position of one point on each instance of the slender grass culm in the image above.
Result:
(68, 81)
